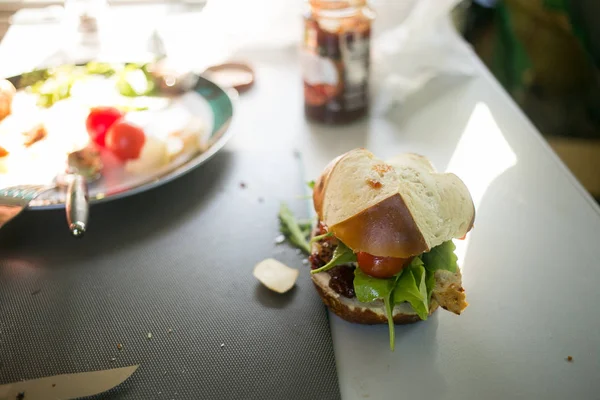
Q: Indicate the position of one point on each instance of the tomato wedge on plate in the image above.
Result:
(99, 120)
(125, 140)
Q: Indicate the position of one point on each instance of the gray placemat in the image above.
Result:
(176, 263)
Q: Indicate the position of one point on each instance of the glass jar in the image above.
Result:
(336, 59)
(85, 15)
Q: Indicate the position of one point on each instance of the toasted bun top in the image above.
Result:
(401, 208)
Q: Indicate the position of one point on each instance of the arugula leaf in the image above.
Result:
(292, 230)
(311, 184)
(369, 289)
(411, 287)
(341, 255)
(441, 257)
(388, 302)
(429, 276)
(414, 284)
(319, 237)
(305, 227)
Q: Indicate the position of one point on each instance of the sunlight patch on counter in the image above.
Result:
(481, 155)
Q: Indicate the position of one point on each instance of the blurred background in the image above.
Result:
(545, 53)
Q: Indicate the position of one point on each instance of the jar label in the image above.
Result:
(321, 78)
(335, 68)
(354, 49)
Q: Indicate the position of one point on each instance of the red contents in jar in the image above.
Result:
(335, 60)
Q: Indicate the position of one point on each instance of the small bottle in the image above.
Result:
(336, 60)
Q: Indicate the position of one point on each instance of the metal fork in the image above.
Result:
(15, 199)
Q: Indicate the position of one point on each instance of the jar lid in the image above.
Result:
(235, 75)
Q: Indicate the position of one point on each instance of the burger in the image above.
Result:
(382, 250)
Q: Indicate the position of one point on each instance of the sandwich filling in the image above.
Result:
(430, 276)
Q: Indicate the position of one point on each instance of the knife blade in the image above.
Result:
(67, 386)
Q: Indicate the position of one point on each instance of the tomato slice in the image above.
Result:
(380, 267)
(125, 140)
(99, 120)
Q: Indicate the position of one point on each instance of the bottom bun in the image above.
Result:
(353, 310)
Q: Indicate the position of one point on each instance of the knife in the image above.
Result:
(67, 386)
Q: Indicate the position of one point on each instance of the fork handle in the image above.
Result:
(77, 205)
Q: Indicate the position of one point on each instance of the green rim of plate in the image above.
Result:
(221, 103)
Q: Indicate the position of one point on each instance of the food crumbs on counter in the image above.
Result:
(149, 336)
(222, 345)
(170, 331)
(305, 261)
(119, 346)
(20, 395)
(279, 239)
(570, 359)
(113, 359)
(36, 292)
(54, 385)
(243, 185)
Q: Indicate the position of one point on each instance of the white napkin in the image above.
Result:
(423, 46)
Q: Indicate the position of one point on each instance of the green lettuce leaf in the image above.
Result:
(411, 287)
(135, 80)
(320, 237)
(341, 255)
(441, 257)
(290, 227)
(311, 184)
(414, 284)
(369, 289)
